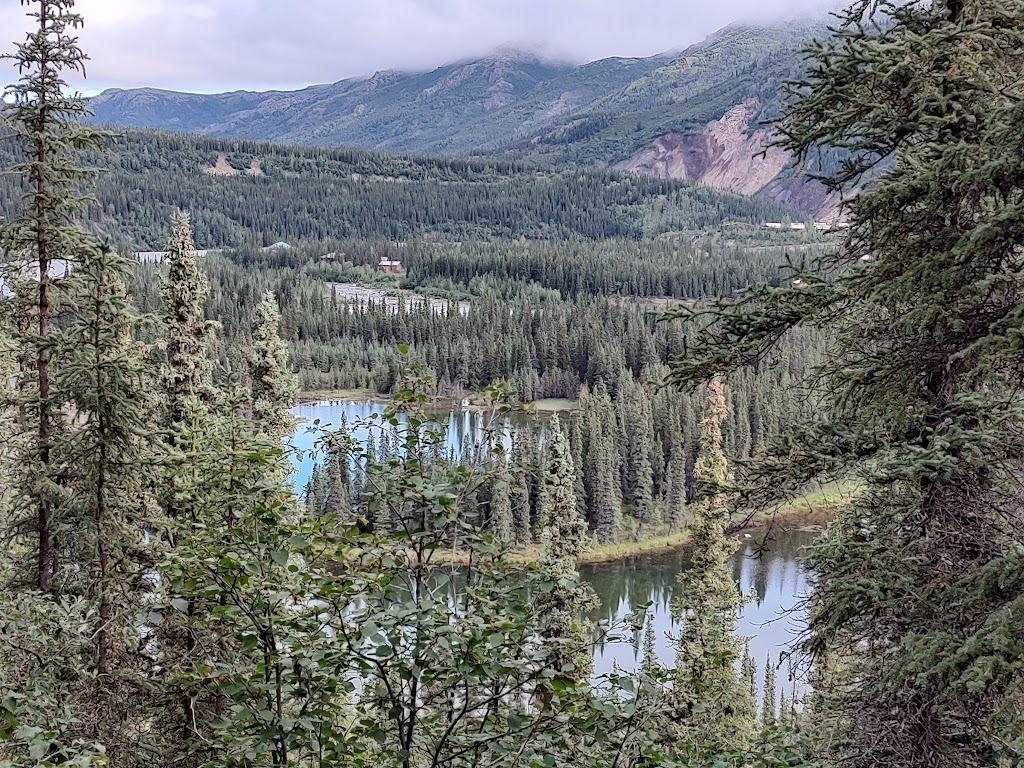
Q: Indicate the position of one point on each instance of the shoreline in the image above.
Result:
(805, 515)
(793, 516)
(471, 401)
(813, 510)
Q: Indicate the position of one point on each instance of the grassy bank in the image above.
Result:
(813, 509)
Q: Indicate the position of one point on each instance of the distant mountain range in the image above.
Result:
(695, 114)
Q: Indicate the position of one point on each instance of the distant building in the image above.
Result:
(280, 245)
(390, 266)
(773, 225)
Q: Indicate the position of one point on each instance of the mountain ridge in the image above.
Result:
(691, 114)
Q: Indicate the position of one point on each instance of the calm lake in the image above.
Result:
(772, 576)
(463, 428)
(772, 619)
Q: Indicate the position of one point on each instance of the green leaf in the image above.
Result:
(180, 604)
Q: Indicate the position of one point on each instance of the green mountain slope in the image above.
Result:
(391, 110)
(701, 84)
(693, 115)
(256, 193)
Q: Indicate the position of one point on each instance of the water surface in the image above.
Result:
(772, 576)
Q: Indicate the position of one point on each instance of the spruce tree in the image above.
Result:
(607, 502)
(502, 522)
(770, 698)
(709, 602)
(188, 374)
(915, 108)
(641, 472)
(274, 387)
(577, 447)
(748, 672)
(519, 491)
(563, 540)
(338, 493)
(675, 492)
(649, 650)
(315, 492)
(43, 241)
(563, 531)
(111, 454)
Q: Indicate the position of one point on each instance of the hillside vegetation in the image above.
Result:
(257, 193)
(517, 105)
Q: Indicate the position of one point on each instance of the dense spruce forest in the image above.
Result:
(168, 597)
(545, 320)
(262, 193)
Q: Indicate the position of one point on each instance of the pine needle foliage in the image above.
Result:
(108, 459)
(44, 240)
(563, 540)
(274, 386)
(920, 581)
(708, 648)
(188, 372)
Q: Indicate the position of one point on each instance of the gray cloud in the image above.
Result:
(214, 45)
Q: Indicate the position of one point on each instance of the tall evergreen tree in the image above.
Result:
(562, 529)
(564, 539)
(606, 502)
(577, 447)
(709, 602)
(649, 650)
(770, 697)
(75, 686)
(188, 374)
(641, 472)
(110, 454)
(675, 492)
(338, 494)
(38, 245)
(274, 387)
(918, 585)
(519, 491)
(502, 521)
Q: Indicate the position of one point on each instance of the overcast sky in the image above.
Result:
(217, 45)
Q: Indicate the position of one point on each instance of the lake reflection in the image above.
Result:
(773, 577)
(775, 580)
(464, 428)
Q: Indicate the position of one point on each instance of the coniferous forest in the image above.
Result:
(169, 597)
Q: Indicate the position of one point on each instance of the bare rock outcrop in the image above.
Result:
(728, 155)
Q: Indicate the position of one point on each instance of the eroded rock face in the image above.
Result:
(728, 155)
(806, 195)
